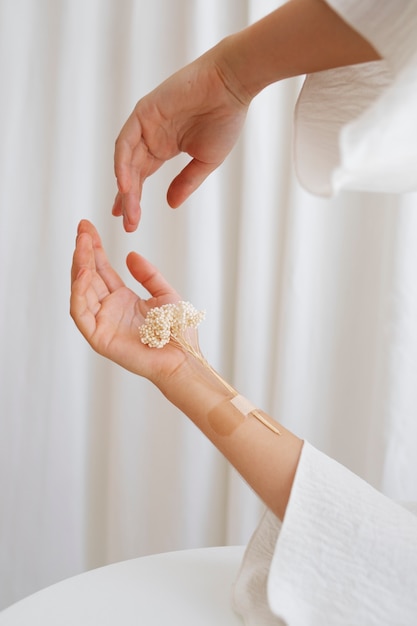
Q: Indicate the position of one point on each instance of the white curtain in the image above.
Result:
(311, 304)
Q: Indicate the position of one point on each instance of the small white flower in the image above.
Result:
(169, 321)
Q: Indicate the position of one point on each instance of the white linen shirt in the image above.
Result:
(356, 127)
(345, 554)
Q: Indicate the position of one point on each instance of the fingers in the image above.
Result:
(84, 304)
(150, 277)
(183, 185)
(85, 265)
(83, 257)
(129, 158)
(92, 280)
(188, 180)
(98, 260)
(128, 206)
(87, 227)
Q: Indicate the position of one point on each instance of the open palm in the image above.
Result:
(109, 314)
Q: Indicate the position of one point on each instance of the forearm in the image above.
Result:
(157, 339)
(266, 460)
(300, 37)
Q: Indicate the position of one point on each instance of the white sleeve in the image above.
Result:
(389, 25)
(355, 127)
(344, 555)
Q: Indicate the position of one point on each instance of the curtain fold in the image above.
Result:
(310, 303)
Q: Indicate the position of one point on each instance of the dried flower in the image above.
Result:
(169, 321)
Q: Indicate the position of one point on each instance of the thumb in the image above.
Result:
(149, 277)
(188, 180)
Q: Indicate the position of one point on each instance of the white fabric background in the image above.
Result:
(311, 303)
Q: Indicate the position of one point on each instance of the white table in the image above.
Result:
(184, 588)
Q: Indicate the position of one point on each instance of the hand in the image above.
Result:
(194, 111)
(109, 314)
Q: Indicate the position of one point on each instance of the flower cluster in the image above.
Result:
(167, 322)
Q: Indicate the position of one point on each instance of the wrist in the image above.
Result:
(300, 37)
(192, 385)
(250, 60)
(230, 60)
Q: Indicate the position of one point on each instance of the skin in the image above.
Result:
(200, 110)
(108, 314)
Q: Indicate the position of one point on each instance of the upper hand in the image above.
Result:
(193, 111)
(109, 314)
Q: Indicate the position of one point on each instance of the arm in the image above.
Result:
(201, 109)
(109, 314)
(301, 37)
(265, 460)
